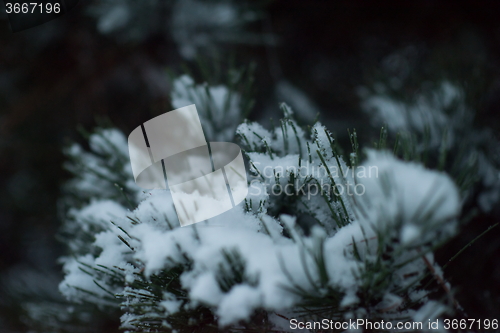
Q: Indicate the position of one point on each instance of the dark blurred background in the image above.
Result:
(75, 70)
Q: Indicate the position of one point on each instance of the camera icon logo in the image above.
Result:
(205, 179)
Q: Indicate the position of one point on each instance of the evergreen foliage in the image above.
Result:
(306, 243)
